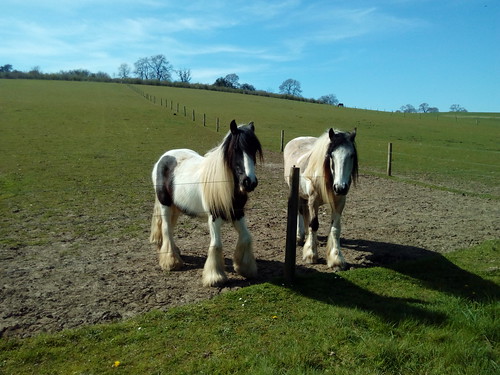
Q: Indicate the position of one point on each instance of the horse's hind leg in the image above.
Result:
(213, 271)
(334, 257)
(168, 253)
(244, 260)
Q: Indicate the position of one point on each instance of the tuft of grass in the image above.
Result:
(432, 316)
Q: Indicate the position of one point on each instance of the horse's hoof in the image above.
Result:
(214, 280)
(338, 266)
(310, 259)
(171, 263)
(248, 272)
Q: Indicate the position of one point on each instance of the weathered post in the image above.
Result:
(217, 125)
(193, 115)
(389, 159)
(291, 226)
(204, 119)
(282, 140)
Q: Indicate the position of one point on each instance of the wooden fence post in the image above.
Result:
(291, 226)
(217, 125)
(204, 119)
(389, 159)
(282, 139)
(193, 115)
(185, 111)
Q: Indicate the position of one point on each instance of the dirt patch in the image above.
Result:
(96, 280)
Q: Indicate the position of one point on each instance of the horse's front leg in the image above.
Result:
(334, 257)
(213, 271)
(169, 255)
(244, 260)
(302, 221)
(310, 249)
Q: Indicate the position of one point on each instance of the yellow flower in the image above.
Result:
(116, 364)
(275, 317)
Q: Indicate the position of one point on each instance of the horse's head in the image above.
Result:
(240, 149)
(342, 160)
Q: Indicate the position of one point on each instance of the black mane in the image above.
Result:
(241, 140)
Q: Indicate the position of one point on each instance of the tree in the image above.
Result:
(7, 68)
(160, 68)
(233, 79)
(142, 68)
(124, 71)
(184, 75)
(424, 108)
(433, 110)
(408, 109)
(290, 87)
(247, 87)
(329, 99)
(457, 108)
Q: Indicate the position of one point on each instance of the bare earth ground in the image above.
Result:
(56, 287)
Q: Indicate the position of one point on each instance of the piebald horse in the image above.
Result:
(328, 165)
(215, 186)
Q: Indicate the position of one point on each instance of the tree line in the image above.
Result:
(157, 70)
(426, 108)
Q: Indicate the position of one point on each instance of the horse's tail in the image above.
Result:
(156, 233)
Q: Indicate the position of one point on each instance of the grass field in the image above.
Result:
(438, 315)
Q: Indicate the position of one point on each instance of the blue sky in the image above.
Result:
(370, 54)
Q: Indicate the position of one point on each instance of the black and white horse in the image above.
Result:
(215, 186)
(328, 165)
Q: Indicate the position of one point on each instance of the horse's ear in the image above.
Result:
(233, 127)
(252, 126)
(352, 135)
(331, 133)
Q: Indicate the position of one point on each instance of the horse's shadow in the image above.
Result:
(428, 269)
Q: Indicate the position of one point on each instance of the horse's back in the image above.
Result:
(296, 153)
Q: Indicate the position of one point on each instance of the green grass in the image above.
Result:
(434, 316)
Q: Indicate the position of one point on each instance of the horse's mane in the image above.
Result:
(315, 170)
(217, 182)
(217, 177)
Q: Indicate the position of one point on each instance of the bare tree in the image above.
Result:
(457, 108)
(424, 108)
(233, 79)
(184, 75)
(290, 87)
(408, 109)
(329, 99)
(160, 68)
(124, 71)
(142, 68)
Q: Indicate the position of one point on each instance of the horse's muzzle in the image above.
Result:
(341, 189)
(249, 185)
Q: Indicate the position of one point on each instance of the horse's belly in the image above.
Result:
(187, 187)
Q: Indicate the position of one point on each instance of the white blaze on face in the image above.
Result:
(343, 163)
(249, 167)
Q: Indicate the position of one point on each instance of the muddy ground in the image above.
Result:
(57, 287)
